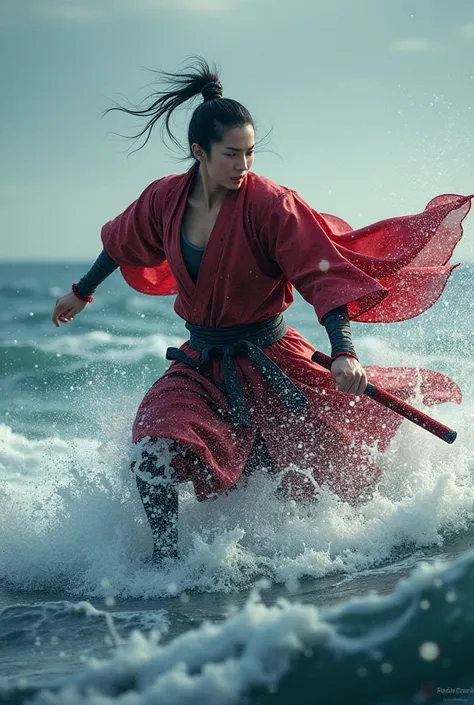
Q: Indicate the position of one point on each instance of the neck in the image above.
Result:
(206, 192)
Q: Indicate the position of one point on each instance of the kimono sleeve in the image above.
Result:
(293, 238)
(135, 237)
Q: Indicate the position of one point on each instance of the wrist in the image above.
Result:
(344, 354)
(76, 292)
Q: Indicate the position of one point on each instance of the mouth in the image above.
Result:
(237, 178)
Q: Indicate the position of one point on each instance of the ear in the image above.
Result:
(198, 152)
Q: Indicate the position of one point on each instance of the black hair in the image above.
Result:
(209, 121)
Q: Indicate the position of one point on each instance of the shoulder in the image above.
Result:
(262, 189)
(161, 194)
(266, 197)
(263, 196)
(167, 185)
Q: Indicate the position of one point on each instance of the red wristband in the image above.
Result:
(89, 299)
(346, 354)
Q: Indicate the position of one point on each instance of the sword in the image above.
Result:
(398, 405)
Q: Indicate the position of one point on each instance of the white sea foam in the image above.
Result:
(100, 345)
(218, 664)
(70, 516)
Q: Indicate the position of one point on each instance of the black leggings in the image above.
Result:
(160, 497)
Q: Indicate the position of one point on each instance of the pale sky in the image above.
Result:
(370, 101)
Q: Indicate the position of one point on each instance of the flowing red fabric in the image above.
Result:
(407, 255)
(265, 237)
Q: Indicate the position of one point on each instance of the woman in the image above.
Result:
(243, 393)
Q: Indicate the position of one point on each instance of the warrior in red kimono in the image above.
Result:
(243, 393)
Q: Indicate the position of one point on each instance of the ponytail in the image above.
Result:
(209, 121)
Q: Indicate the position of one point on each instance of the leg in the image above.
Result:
(259, 458)
(210, 451)
(160, 501)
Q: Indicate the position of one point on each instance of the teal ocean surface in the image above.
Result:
(271, 602)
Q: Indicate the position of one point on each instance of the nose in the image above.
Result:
(242, 165)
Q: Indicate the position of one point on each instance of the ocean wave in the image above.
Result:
(84, 490)
(392, 650)
(61, 620)
(21, 457)
(94, 345)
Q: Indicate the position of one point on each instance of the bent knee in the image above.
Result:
(152, 459)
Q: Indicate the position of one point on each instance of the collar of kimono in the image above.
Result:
(171, 275)
(197, 294)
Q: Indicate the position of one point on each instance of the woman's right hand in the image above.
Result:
(66, 308)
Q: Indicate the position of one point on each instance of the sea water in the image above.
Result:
(271, 602)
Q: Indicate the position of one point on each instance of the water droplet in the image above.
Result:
(429, 651)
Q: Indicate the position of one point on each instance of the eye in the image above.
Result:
(234, 154)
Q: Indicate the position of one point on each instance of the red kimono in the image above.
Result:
(265, 241)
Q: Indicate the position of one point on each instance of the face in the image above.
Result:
(230, 159)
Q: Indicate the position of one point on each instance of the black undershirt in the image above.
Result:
(192, 255)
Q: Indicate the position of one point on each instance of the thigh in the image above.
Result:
(189, 409)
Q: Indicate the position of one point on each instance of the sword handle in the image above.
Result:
(398, 405)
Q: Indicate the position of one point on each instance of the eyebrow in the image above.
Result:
(234, 149)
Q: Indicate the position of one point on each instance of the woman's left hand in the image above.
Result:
(349, 374)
